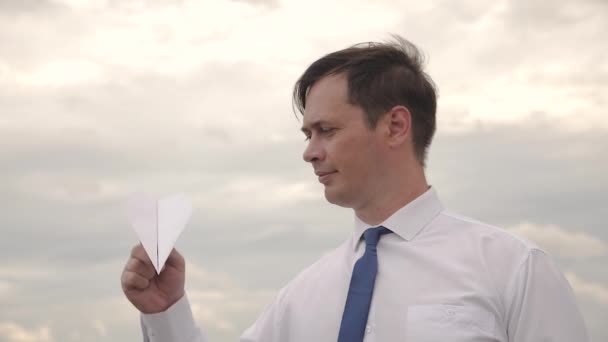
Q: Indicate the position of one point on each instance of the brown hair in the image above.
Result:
(380, 76)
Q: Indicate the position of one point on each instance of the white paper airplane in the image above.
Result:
(158, 223)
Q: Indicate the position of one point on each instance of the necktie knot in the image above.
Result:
(372, 235)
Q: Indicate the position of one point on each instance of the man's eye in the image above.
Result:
(307, 138)
(326, 130)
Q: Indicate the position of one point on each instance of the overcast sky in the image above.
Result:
(100, 98)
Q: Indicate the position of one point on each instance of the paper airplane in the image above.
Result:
(158, 223)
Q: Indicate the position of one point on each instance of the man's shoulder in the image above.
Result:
(498, 252)
(486, 233)
(318, 271)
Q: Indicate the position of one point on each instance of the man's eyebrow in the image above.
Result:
(314, 125)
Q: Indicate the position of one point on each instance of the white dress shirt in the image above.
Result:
(441, 277)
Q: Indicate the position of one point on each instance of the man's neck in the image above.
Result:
(392, 199)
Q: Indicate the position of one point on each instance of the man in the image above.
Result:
(412, 270)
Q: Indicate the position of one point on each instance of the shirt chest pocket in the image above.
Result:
(449, 323)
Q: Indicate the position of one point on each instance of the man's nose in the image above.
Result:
(314, 151)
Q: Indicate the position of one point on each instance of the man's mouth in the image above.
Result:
(324, 176)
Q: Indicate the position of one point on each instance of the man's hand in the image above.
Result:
(148, 291)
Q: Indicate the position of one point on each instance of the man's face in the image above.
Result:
(345, 153)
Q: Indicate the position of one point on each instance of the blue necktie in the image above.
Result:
(361, 289)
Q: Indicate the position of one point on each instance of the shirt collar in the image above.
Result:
(408, 221)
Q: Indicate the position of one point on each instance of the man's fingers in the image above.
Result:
(134, 281)
(138, 252)
(176, 260)
(137, 266)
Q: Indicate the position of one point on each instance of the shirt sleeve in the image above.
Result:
(271, 324)
(541, 305)
(176, 324)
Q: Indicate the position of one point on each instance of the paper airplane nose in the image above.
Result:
(158, 223)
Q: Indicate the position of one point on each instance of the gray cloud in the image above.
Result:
(474, 172)
(21, 6)
(535, 172)
(272, 4)
(538, 14)
(533, 163)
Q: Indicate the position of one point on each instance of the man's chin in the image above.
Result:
(336, 198)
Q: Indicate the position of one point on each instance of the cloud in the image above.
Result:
(596, 291)
(99, 327)
(24, 271)
(58, 73)
(563, 243)
(13, 332)
(20, 6)
(5, 289)
(114, 317)
(531, 171)
(220, 303)
(272, 4)
(548, 59)
(210, 317)
(538, 14)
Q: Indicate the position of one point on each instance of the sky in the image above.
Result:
(101, 98)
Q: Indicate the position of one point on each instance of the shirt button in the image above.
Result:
(368, 329)
(450, 312)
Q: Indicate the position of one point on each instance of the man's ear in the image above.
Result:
(398, 125)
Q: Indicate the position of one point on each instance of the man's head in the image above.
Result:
(380, 76)
(369, 113)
